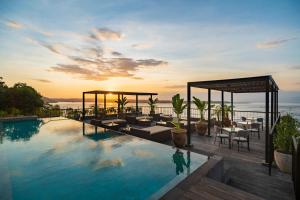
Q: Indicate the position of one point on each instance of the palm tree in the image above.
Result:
(227, 110)
(152, 103)
(218, 111)
(201, 105)
(178, 108)
(122, 102)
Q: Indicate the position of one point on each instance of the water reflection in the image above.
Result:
(97, 133)
(178, 159)
(21, 130)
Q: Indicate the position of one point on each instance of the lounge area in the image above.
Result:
(154, 127)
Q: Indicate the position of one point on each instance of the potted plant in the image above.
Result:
(218, 114)
(202, 124)
(152, 103)
(286, 128)
(178, 133)
(122, 102)
(226, 120)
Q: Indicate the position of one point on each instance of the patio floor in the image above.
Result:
(243, 170)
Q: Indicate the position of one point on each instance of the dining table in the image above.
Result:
(231, 130)
(246, 124)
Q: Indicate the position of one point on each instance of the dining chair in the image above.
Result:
(261, 121)
(255, 128)
(242, 136)
(220, 135)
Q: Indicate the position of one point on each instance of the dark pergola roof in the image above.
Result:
(239, 85)
(119, 92)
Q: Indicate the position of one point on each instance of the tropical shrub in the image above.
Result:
(286, 128)
(201, 105)
(152, 103)
(178, 108)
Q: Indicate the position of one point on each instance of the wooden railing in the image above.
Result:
(296, 166)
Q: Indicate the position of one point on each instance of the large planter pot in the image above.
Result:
(283, 161)
(179, 137)
(201, 127)
(152, 112)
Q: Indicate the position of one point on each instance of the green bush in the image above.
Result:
(286, 128)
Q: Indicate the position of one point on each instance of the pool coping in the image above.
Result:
(213, 169)
(18, 118)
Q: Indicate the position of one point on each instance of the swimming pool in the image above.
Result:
(66, 159)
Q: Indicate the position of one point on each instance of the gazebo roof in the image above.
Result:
(119, 92)
(239, 85)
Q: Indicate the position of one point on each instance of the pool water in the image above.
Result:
(66, 159)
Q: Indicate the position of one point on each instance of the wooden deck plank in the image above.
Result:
(244, 172)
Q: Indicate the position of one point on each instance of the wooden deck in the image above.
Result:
(245, 177)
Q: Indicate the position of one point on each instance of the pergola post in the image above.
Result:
(122, 97)
(231, 107)
(104, 105)
(118, 103)
(277, 111)
(188, 115)
(83, 106)
(209, 112)
(267, 123)
(96, 105)
(272, 107)
(222, 104)
(136, 103)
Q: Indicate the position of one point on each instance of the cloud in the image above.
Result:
(105, 34)
(42, 80)
(273, 43)
(92, 61)
(151, 62)
(14, 24)
(295, 67)
(115, 53)
(176, 86)
(100, 69)
(141, 46)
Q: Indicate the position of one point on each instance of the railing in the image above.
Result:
(237, 114)
(296, 166)
(73, 113)
(270, 152)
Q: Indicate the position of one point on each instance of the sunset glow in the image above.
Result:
(138, 46)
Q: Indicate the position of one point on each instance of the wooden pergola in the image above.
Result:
(259, 84)
(119, 93)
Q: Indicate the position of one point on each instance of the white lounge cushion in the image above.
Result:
(242, 139)
(222, 135)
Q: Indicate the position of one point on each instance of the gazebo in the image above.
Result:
(119, 93)
(259, 84)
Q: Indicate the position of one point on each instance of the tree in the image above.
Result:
(20, 98)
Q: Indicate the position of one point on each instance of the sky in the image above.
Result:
(63, 48)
